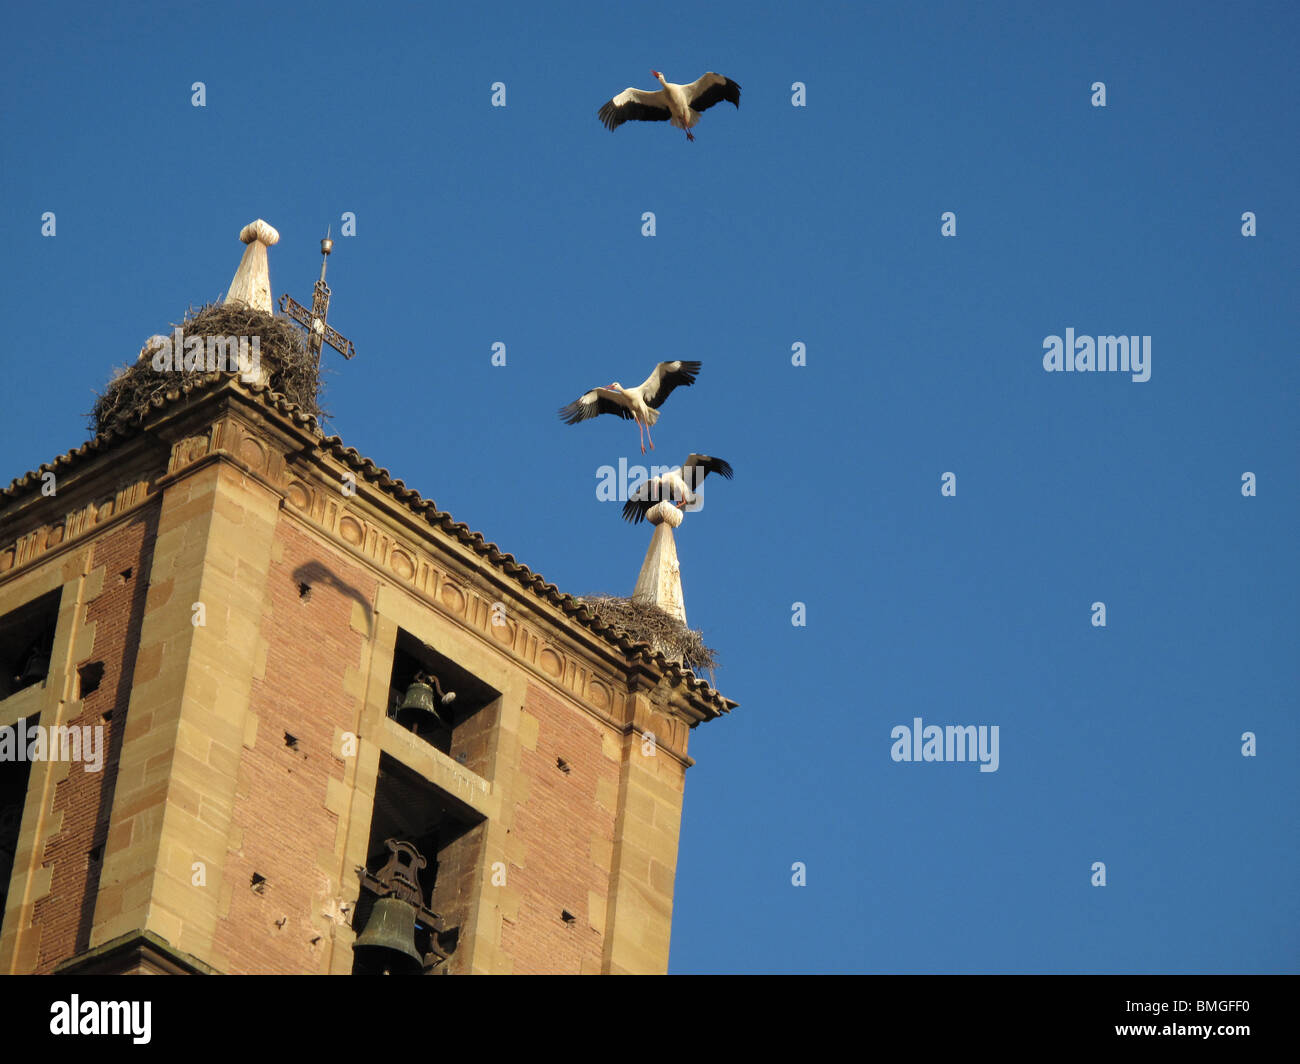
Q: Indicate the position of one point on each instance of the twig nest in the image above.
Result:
(283, 364)
(647, 623)
(664, 513)
(146, 352)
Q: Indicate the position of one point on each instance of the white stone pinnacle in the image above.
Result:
(252, 283)
(660, 581)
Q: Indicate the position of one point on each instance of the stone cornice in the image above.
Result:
(138, 948)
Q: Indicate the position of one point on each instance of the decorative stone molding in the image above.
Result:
(452, 594)
(73, 525)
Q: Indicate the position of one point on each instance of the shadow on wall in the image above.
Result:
(317, 573)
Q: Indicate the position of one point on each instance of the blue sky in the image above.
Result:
(782, 224)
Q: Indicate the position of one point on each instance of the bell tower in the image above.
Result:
(266, 709)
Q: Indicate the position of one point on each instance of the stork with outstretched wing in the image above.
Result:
(679, 104)
(640, 404)
(676, 486)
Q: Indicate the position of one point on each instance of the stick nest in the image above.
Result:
(647, 623)
(282, 350)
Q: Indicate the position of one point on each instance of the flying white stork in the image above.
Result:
(681, 104)
(640, 404)
(676, 484)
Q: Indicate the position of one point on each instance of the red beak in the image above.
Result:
(654, 73)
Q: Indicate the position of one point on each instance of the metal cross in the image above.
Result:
(318, 332)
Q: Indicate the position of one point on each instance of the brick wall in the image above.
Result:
(286, 832)
(84, 799)
(562, 826)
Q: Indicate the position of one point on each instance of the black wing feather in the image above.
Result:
(634, 510)
(576, 411)
(728, 91)
(613, 116)
(648, 493)
(698, 466)
(669, 379)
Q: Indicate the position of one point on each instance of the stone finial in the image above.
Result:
(252, 283)
(660, 581)
(663, 512)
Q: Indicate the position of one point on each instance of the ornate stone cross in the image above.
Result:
(318, 332)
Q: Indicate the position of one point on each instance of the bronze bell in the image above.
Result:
(419, 698)
(388, 942)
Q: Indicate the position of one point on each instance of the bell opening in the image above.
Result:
(14, 777)
(459, 726)
(27, 643)
(449, 836)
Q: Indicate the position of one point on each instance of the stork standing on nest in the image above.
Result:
(640, 404)
(679, 104)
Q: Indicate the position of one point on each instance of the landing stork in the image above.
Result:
(640, 404)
